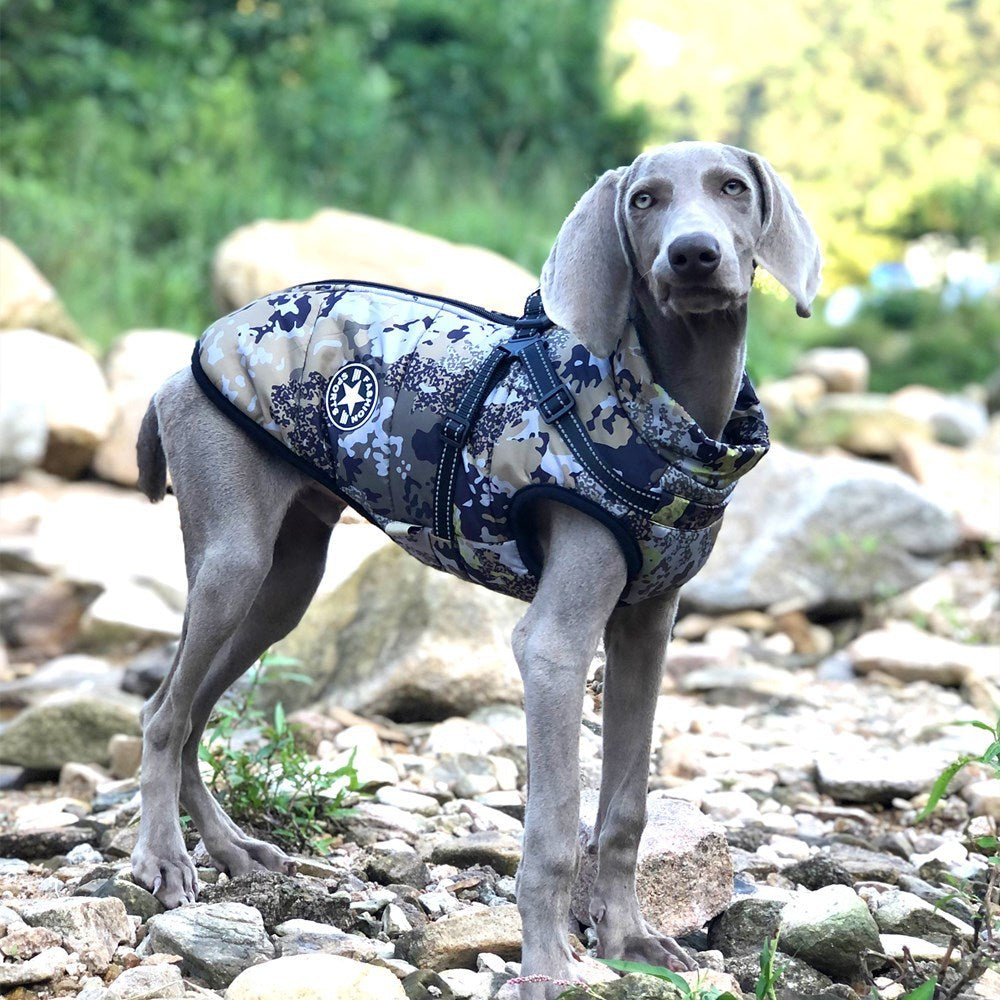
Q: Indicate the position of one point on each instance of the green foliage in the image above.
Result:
(770, 973)
(925, 991)
(136, 136)
(989, 757)
(269, 784)
(687, 991)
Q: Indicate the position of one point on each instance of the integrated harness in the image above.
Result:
(445, 424)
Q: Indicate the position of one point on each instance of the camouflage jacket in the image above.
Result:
(363, 387)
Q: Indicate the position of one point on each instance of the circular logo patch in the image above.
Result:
(351, 395)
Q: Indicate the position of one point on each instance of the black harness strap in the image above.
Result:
(556, 404)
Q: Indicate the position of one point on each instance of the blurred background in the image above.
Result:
(137, 136)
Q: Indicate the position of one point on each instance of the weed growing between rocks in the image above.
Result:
(980, 894)
(269, 783)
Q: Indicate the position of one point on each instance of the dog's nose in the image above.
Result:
(694, 256)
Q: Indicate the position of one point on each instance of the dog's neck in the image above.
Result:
(697, 357)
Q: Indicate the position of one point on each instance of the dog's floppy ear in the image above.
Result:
(586, 282)
(787, 246)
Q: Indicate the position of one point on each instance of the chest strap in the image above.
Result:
(556, 404)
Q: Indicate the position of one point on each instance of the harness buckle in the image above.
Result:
(517, 345)
(454, 430)
(556, 403)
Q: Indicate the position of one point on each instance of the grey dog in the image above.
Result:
(668, 244)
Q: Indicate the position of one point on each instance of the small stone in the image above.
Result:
(394, 921)
(842, 369)
(125, 753)
(304, 937)
(748, 921)
(900, 912)
(138, 902)
(92, 927)
(397, 868)
(415, 802)
(829, 928)
(796, 978)
(983, 798)
(817, 871)
(877, 777)
(24, 942)
(84, 854)
(315, 977)
(456, 940)
(896, 945)
(81, 781)
(497, 850)
(145, 982)
(44, 967)
(216, 941)
(486, 819)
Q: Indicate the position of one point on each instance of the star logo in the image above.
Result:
(351, 395)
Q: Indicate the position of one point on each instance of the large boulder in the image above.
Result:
(67, 727)
(270, 255)
(26, 297)
(402, 640)
(73, 396)
(136, 367)
(828, 532)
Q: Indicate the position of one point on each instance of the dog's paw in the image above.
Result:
(242, 855)
(657, 949)
(171, 878)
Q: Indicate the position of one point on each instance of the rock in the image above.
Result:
(80, 781)
(315, 977)
(279, 898)
(455, 940)
(864, 865)
(125, 754)
(66, 728)
(24, 432)
(684, 874)
(25, 942)
(305, 937)
(897, 945)
(415, 802)
(127, 542)
(817, 871)
(899, 912)
(27, 300)
(37, 845)
(786, 400)
(91, 927)
(128, 618)
(820, 533)
(138, 902)
(748, 921)
(388, 867)
(43, 967)
(796, 978)
(137, 365)
(370, 822)
(71, 387)
(911, 654)
(499, 851)
(633, 986)
(408, 642)
(955, 420)
(147, 982)
(983, 798)
(829, 928)
(964, 481)
(270, 255)
(216, 941)
(863, 424)
(46, 620)
(842, 369)
(879, 776)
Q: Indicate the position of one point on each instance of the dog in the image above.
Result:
(592, 442)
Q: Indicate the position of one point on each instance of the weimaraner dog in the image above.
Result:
(666, 247)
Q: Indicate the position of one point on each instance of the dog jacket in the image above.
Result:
(444, 424)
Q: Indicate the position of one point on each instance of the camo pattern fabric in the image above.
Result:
(354, 379)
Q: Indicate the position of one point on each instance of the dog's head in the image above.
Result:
(688, 222)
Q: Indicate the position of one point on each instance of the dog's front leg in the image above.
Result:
(635, 642)
(554, 643)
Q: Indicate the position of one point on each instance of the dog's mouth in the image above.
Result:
(688, 298)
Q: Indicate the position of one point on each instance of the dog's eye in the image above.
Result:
(643, 199)
(734, 187)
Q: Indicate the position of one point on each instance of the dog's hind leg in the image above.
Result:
(636, 642)
(232, 499)
(296, 570)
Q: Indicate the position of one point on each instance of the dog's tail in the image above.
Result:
(152, 460)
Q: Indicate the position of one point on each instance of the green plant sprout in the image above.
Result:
(268, 782)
